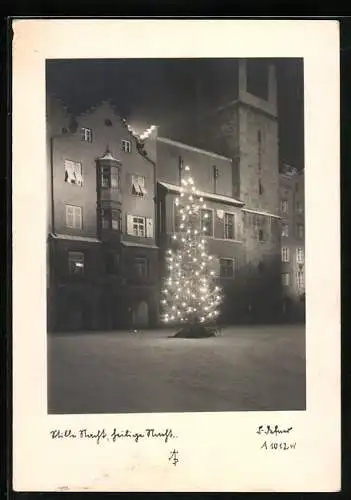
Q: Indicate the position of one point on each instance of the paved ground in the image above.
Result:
(247, 368)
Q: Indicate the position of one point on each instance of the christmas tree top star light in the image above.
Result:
(190, 295)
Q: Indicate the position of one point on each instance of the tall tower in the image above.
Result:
(245, 129)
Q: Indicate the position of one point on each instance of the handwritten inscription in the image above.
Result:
(173, 457)
(276, 431)
(278, 445)
(101, 435)
(267, 429)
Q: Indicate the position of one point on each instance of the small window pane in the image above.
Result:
(126, 146)
(139, 226)
(76, 262)
(226, 268)
(229, 226)
(285, 230)
(86, 134)
(285, 279)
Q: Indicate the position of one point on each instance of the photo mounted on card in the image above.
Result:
(176, 326)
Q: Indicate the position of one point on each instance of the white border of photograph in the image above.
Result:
(217, 451)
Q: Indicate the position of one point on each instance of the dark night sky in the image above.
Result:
(166, 91)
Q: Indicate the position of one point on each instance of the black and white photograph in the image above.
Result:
(175, 235)
(176, 255)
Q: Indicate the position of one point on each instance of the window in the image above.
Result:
(285, 254)
(111, 219)
(86, 134)
(76, 262)
(126, 146)
(110, 177)
(300, 279)
(112, 263)
(300, 231)
(180, 169)
(73, 172)
(138, 185)
(285, 230)
(259, 140)
(229, 229)
(260, 187)
(141, 267)
(299, 255)
(285, 279)
(226, 268)
(207, 222)
(73, 217)
(299, 207)
(140, 226)
(177, 218)
(284, 207)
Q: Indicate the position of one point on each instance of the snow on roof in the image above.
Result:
(135, 244)
(208, 196)
(74, 238)
(260, 212)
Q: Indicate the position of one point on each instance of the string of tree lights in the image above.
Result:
(190, 296)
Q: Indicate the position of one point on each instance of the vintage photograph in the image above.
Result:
(175, 235)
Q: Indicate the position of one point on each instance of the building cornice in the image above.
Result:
(261, 212)
(208, 196)
(192, 148)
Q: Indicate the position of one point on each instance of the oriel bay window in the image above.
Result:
(112, 263)
(111, 218)
(109, 177)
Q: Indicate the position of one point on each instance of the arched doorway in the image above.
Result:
(141, 315)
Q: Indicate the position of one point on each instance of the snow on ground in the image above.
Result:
(246, 368)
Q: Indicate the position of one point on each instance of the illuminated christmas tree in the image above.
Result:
(190, 295)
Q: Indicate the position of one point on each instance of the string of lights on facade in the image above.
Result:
(139, 137)
(190, 295)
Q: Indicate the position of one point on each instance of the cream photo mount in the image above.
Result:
(223, 451)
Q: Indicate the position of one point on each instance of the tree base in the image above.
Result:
(195, 332)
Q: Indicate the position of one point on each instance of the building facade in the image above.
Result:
(293, 242)
(111, 193)
(103, 258)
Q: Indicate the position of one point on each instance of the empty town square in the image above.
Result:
(245, 368)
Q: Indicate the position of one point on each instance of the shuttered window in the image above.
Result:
(140, 226)
(73, 217)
